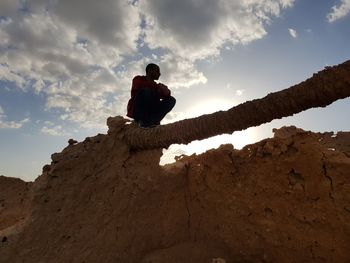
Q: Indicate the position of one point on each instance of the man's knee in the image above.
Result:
(171, 101)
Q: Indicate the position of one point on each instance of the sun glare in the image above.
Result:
(209, 106)
(237, 139)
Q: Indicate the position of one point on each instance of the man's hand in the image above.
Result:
(164, 90)
(163, 86)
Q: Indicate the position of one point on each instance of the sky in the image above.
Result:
(67, 65)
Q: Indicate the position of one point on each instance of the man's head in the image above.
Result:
(153, 71)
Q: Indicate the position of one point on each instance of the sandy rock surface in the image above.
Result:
(15, 204)
(284, 199)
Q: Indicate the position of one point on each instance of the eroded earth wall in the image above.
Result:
(284, 199)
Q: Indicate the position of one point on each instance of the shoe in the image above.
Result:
(142, 125)
(145, 126)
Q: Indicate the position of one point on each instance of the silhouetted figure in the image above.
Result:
(150, 101)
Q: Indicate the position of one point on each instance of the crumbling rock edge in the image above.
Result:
(284, 199)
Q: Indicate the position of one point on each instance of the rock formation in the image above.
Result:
(15, 201)
(285, 199)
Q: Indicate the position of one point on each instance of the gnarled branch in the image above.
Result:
(320, 90)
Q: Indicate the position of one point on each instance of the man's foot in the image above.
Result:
(143, 125)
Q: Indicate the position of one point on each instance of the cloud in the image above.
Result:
(82, 60)
(54, 131)
(293, 32)
(10, 124)
(340, 11)
(8, 75)
(8, 7)
(68, 53)
(54, 46)
(197, 29)
(180, 73)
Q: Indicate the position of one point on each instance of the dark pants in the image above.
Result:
(149, 109)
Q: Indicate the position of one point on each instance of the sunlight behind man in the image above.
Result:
(237, 139)
(209, 106)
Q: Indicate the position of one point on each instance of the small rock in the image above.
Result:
(115, 124)
(286, 131)
(56, 157)
(46, 168)
(72, 142)
(268, 147)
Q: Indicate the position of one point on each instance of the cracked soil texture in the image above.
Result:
(284, 199)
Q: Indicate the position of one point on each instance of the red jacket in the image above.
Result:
(141, 82)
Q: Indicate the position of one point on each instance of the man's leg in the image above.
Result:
(163, 108)
(145, 101)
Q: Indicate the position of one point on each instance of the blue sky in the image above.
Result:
(65, 66)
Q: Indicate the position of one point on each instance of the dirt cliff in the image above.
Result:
(284, 199)
(15, 201)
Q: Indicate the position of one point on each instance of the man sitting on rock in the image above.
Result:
(150, 101)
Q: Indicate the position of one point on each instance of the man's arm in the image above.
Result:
(140, 82)
(163, 90)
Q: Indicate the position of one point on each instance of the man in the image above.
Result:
(150, 101)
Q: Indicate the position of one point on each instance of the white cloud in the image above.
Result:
(7, 74)
(69, 57)
(49, 123)
(57, 39)
(293, 32)
(197, 29)
(8, 7)
(179, 73)
(4, 124)
(83, 59)
(309, 30)
(54, 131)
(340, 11)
